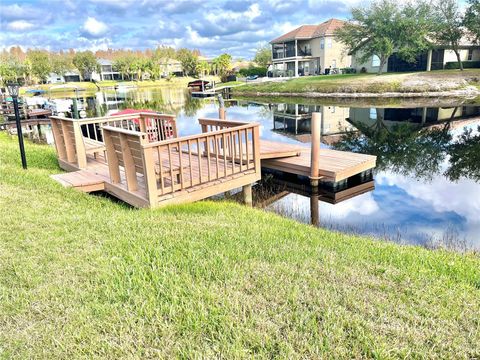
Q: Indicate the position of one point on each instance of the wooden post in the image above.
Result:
(69, 146)
(58, 139)
(314, 209)
(221, 109)
(247, 194)
(150, 177)
(222, 113)
(315, 152)
(256, 148)
(128, 164)
(142, 124)
(112, 159)
(79, 146)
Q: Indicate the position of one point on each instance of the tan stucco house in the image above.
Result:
(309, 50)
(434, 59)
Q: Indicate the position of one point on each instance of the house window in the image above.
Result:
(329, 43)
(373, 113)
(375, 60)
(470, 54)
(322, 43)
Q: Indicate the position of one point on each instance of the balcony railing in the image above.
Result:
(304, 52)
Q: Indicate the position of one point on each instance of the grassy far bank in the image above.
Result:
(90, 86)
(370, 83)
(83, 276)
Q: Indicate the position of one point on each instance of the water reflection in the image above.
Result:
(423, 150)
(426, 187)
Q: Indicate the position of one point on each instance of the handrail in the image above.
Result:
(208, 121)
(124, 131)
(112, 117)
(196, 136)
(188, 161)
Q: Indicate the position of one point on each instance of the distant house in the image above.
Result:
(434, 59)
(309, 50)
(171, 66)
(70, 76)
(107, 71)
(54, 78)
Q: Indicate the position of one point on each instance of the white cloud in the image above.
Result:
(94, 27)
(251, 13)
(20, 25)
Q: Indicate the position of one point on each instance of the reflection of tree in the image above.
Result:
(192, 105)
(465, 157)
(404, 148)
(154, 104)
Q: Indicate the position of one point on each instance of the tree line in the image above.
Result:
(35, 66)
(409, 28)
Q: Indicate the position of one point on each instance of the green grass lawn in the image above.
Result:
(369, 83)
(82, 276)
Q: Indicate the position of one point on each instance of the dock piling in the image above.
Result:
(315, 152)
(247, 194)
(221, 108)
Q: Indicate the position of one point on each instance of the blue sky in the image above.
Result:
(213, 27)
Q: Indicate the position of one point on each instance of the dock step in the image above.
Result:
(83, 180)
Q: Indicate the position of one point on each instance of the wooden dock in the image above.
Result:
(140, 159)
(333, 165)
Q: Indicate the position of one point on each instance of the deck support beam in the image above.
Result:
(247, 195)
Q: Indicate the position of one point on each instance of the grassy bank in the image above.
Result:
(370, 83)
(90, 86)
(84, 276)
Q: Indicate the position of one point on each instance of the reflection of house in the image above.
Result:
(435, 59)
(309, 50)
(427, 116)
(107, 71)
(294, 120)
(110, 100)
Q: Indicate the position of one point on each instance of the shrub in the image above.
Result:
(363, 70)
(348, 70)
(251, 71)
(466, 65)
(226, 77)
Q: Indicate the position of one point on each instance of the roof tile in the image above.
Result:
(311, 31)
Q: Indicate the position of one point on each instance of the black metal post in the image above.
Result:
(19, 132)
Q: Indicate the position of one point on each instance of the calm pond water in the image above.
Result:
(425, 189)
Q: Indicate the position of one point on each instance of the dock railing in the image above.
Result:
(75, 138)
(181, 164)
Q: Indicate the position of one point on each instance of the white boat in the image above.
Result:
(63, 107)
(35, 102)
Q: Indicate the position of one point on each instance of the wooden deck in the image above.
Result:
(333, 165)
(140, 159)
